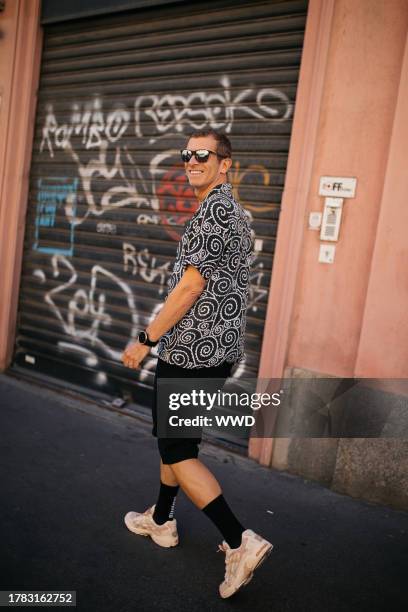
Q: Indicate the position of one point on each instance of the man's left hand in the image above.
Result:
(134, 355)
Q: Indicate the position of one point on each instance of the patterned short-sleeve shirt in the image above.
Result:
(217, 240)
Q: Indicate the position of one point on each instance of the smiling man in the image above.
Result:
(200, 334)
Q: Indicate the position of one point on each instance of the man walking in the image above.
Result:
(200, 331)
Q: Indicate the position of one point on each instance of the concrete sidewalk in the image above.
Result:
(70, 470)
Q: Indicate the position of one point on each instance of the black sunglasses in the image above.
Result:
(201, 155)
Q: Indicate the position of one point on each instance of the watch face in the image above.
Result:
(142, 337)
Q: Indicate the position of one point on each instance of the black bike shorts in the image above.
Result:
(173, 450)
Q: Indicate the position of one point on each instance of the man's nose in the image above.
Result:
(193, 161)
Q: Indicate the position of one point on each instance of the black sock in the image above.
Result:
(165, 504)
(219, 512)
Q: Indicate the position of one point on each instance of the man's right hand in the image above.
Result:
(134, 355)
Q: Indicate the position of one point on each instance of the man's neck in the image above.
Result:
(201, 195)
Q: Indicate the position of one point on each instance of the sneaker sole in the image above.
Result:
(163, 544)
(251, 575)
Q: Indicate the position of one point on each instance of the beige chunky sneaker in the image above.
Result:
(143, 524)
(240, 563)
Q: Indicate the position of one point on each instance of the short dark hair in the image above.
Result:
(224, 148)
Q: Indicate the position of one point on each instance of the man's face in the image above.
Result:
(203, 176)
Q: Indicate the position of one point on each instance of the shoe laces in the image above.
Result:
(146, 518)
(231, 559)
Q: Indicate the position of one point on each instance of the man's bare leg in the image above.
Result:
(201, 486)
(167, 475)
(196, 480)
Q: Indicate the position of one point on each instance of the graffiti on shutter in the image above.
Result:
(109, 198)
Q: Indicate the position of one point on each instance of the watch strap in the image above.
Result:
(146, 340)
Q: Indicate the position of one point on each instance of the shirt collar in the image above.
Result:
(224, 187)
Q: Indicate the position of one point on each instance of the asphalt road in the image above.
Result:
(70, 470)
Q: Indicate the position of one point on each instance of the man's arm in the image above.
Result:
(178, 303)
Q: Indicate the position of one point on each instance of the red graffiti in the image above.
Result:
(176, 201)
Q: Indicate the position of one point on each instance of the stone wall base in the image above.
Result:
(374, 469)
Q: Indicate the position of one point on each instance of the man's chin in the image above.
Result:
(196, 182)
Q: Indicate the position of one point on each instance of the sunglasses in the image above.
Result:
(201, 155)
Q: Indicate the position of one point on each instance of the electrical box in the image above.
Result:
(334, 189)
(326, 253)
(315, 220)
(331, 219)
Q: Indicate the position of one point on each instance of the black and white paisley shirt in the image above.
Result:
(217, 240)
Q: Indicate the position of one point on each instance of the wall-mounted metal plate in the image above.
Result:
(339, 186)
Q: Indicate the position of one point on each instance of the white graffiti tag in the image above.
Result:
(90, 124)
(114, 197)
(146, 264)
(84, 305)
(170, 113)
(173, 112)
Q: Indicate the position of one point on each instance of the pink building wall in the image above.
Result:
(383, 349)
(357, 113)
(20, 48)
(345, 108)
(350, 318)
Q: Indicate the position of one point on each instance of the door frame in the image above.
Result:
(291, 225)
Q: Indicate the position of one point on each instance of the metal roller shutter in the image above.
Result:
(108, 196)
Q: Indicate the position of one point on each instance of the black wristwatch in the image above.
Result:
(144, 339)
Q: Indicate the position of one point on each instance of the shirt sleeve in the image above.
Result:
(207, 236)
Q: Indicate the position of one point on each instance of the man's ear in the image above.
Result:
(225, 165)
